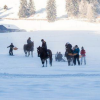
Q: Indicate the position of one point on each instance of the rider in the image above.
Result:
(44, 45)
(29, 42)
(11, 49)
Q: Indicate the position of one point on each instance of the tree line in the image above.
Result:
(74, 8)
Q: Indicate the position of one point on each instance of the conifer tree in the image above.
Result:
(23, 13)
(91, 12)
(83, 8)
(31, 8)
(72, 8)
(51, 10)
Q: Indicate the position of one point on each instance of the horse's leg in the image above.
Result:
(25, 53)
(28, 53)
(68, 59)
(32, 53)
(46, 62)
(50, 60)
(42, 62)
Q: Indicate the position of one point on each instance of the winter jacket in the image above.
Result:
(83, 53)
(29, 41)
(44, 45)
(11, 46)
(77, 50)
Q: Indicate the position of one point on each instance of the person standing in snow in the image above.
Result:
(60, 57)
(11, 49)
(83, 56)
(56, 56)
(76, 57)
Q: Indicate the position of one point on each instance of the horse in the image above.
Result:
(28, 48)
(43, 55)
(70, 56)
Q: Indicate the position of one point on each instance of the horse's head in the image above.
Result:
(39, 50)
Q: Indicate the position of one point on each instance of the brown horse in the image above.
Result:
(43, 55)
(69, 56)
(28, 48)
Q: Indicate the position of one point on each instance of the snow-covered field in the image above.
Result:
(23, 78)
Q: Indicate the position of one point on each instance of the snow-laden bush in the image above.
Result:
(5, 7)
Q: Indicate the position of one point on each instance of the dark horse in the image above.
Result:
(43, 55)
(28, 48)
(69, 56)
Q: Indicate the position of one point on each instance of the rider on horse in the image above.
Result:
(29, 40)
(29, 43)
(44, 46)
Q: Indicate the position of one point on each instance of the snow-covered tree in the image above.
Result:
(72, 8)
(83, 8)
(23, 12)
(31, 7)
(51, 10)
(91, 12)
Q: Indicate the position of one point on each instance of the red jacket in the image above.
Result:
(83, 52)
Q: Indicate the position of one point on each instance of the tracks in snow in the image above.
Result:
(6, 75)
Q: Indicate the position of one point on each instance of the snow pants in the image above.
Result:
(83, 58)
(76, 58)
(11, 52)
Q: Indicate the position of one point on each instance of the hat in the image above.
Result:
(42, 39)
(67, 43)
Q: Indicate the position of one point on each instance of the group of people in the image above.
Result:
(75, 53)
(11, 46)
(59, 57)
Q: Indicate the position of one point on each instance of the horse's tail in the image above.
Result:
(50, 58)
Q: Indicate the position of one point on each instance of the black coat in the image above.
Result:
(44, 45)
(29, 41)
(11, 47)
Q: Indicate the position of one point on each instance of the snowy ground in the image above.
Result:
(23, 78)
(36, 25)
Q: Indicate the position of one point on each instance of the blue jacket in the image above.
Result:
(77, 50)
